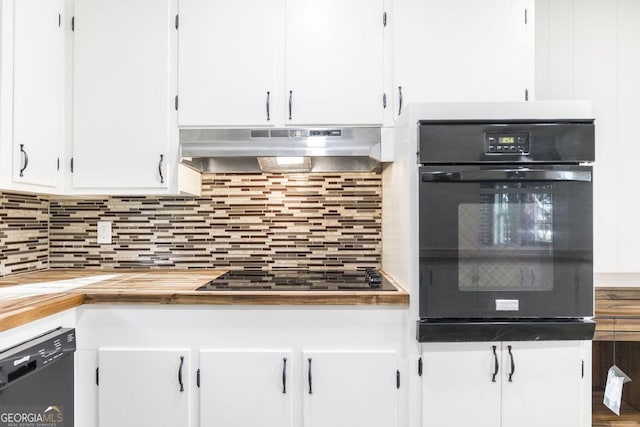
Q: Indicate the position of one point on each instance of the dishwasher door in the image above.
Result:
(36, 381)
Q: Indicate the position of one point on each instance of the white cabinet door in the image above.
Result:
(345, 389)
(143, 388)
(38, 91)
(462, 50)
(125, 123)
(459, 387)
(545, 388)
(245, 388)
(227, 62)
(334, 62)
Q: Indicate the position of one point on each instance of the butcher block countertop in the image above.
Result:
(51, 291)
(617, 306)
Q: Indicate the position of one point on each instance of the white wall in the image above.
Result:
(590, 49)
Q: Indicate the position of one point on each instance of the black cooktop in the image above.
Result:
(299, 280)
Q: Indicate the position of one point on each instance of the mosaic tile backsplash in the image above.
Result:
(24, 226)
(315, 221)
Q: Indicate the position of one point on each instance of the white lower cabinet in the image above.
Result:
(507, 384)
(245, 388)
(345, 389)
(143, 387)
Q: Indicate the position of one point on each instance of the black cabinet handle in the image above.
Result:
(309, 378)
(268, 104)
(290, 103)
(284, 375)
(513, 365)
(25, 159)
(180, 374)
(160, 168)
(399, 100)
(495, 365)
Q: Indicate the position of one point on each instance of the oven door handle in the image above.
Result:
(524, 174)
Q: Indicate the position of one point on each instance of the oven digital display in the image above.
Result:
(510, 143)
(507, 140)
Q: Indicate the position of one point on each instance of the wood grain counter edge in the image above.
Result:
(43, 307)
(155, 288)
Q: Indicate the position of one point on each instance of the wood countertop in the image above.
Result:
(617, 306)
(155, 287)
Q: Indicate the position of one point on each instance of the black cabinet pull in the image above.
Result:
(495, 365)
(160, 168)
(268, 104)
(180, 374)
(290, 103)
(513, 365)
(399, 100)
(284, 375)
(25, 159)
(309, 377)
(198, 378)
(397, 379)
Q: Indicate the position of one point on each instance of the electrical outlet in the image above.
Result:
(104, 232)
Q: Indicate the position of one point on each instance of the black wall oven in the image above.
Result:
(505, 230)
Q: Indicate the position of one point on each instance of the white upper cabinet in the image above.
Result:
(462, 50)
(334, 61)
(227, 62)
(125, 122)
(280, 62)
(33, 93)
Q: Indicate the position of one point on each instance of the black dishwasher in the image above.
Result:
(36, 381)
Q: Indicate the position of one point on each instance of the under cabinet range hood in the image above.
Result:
(352, 149)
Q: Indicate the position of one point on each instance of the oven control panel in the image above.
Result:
(506, 143)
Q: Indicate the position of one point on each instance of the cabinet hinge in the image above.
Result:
(526, 17)
(176, 102)
(384, 19)
(72, 165)
(420, 367)
(97, 376)
(526, 94)
(73, 23)
(177, 21)
(397, 379)
(384, 100)
(198, 378)
(583, 368)
(59, 20)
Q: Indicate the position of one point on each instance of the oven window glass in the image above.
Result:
(505, 241)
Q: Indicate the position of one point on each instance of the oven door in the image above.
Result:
(506, 241)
